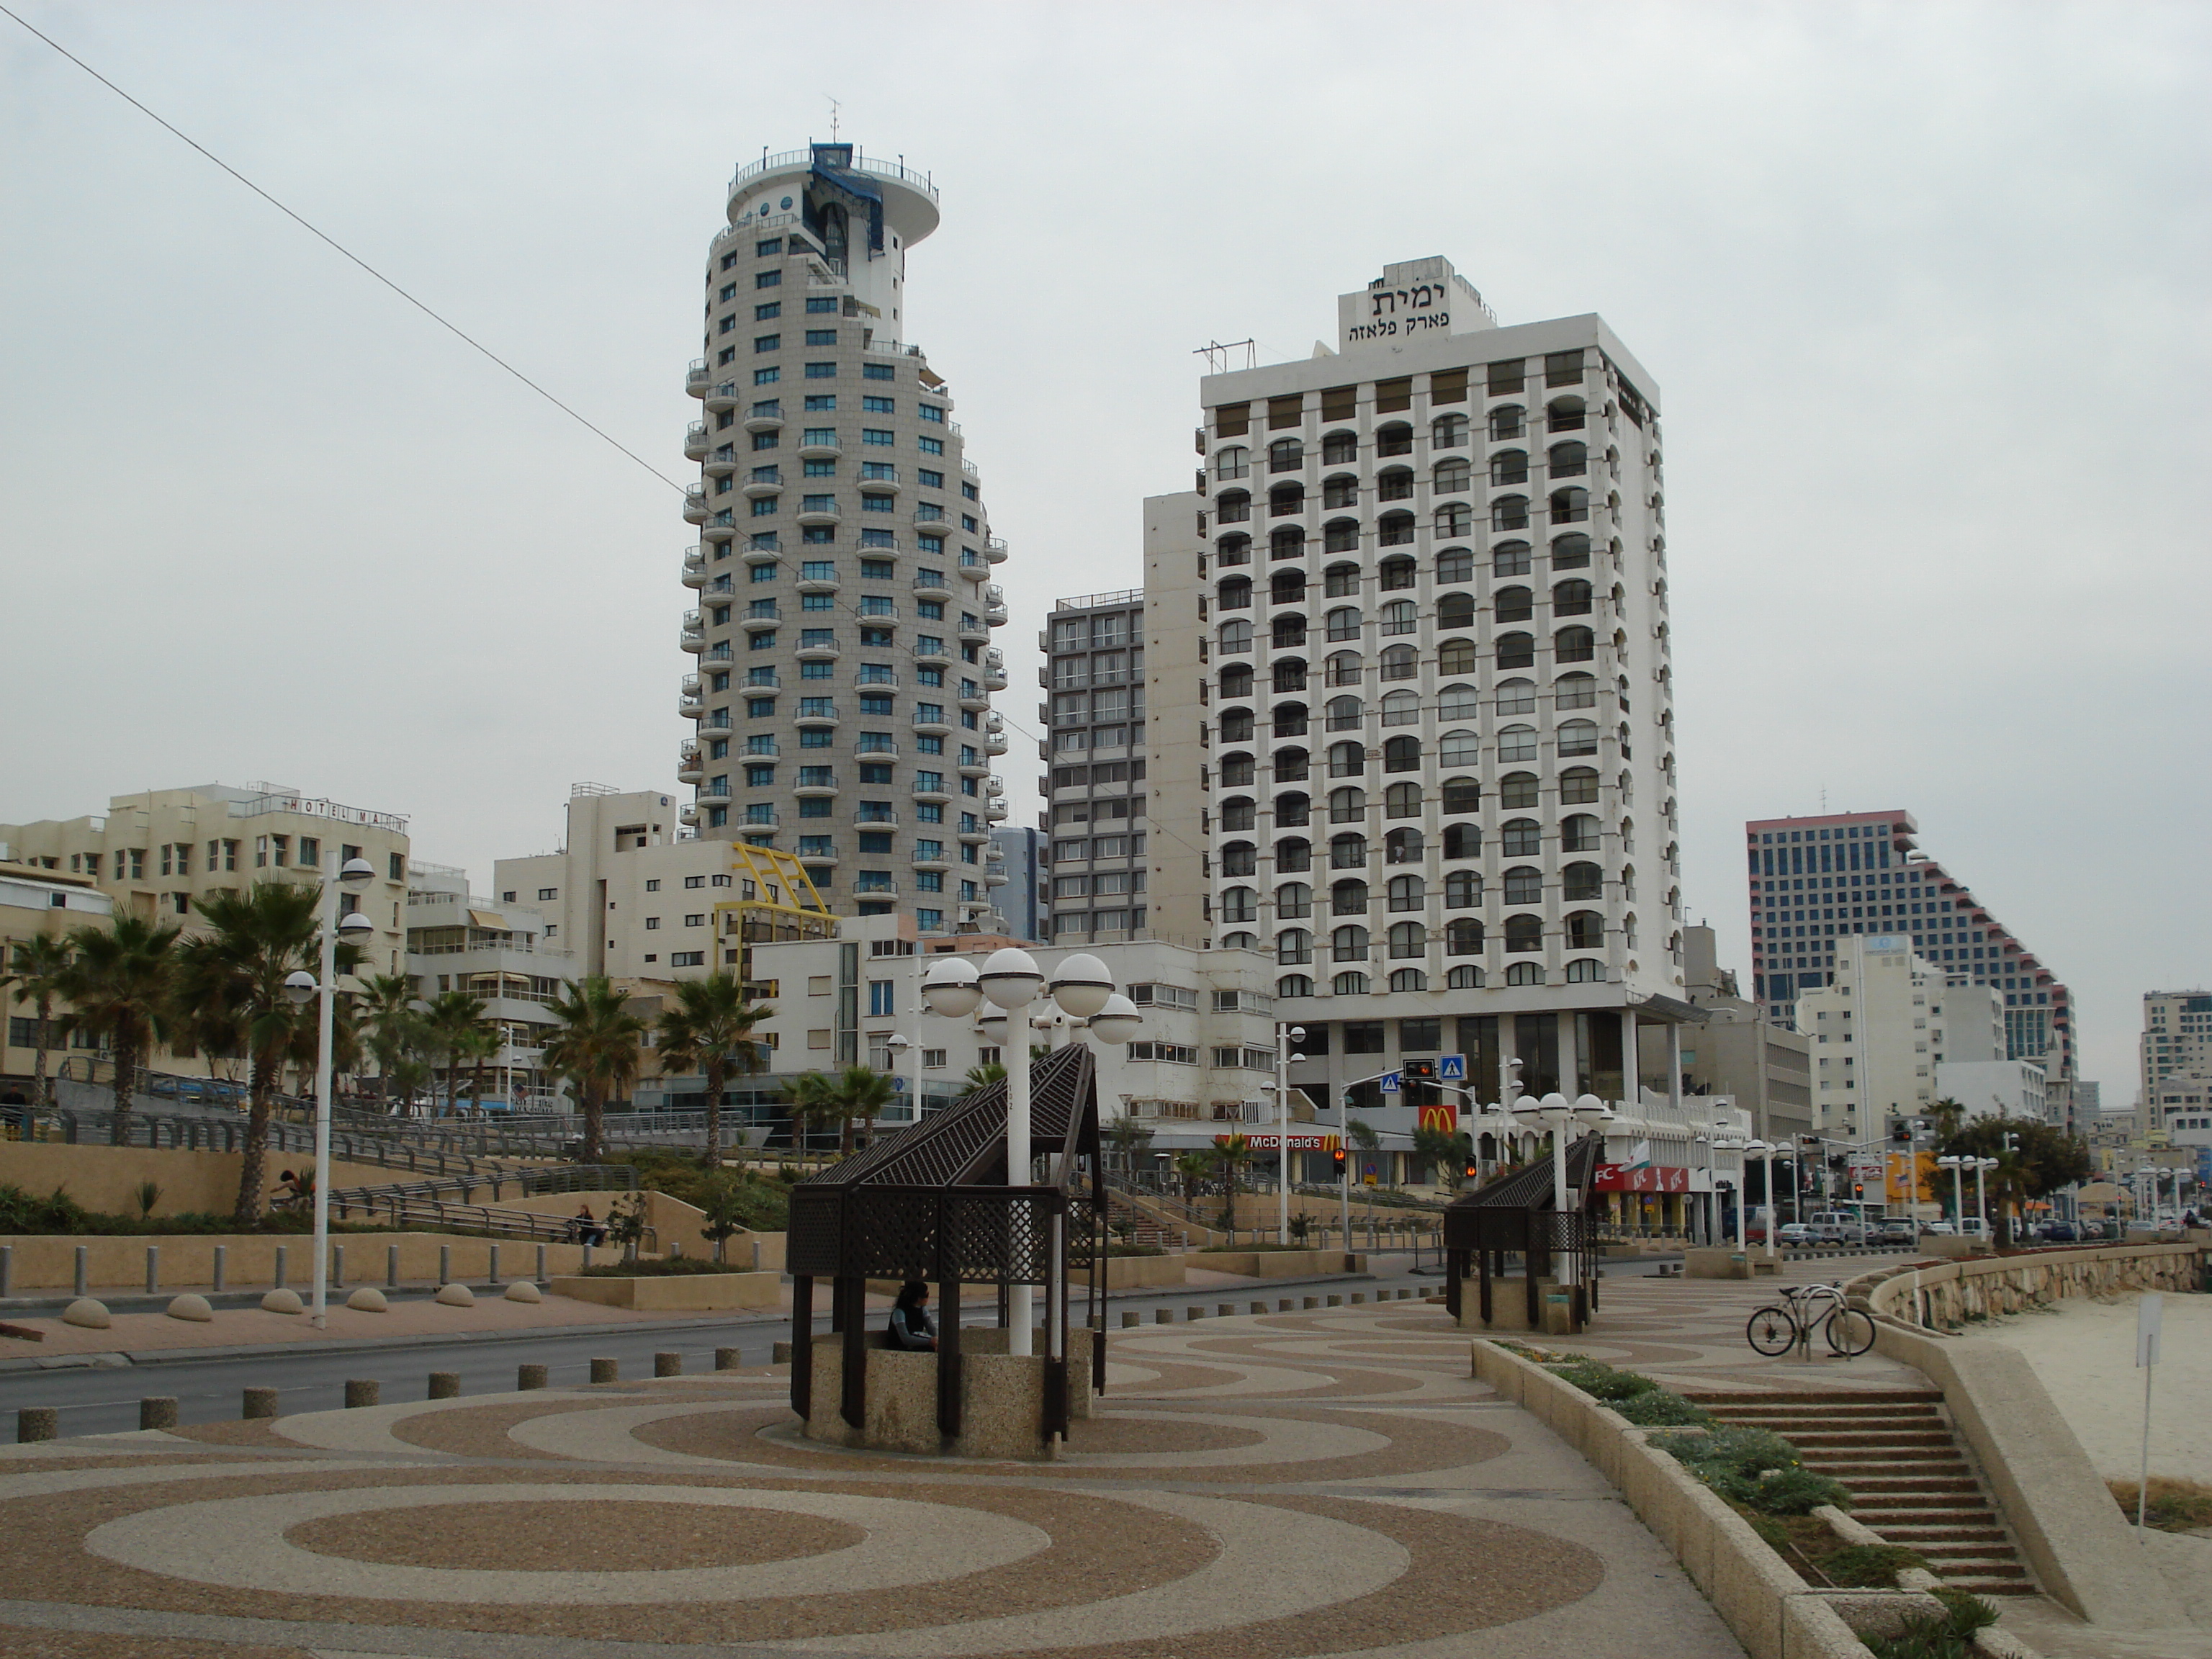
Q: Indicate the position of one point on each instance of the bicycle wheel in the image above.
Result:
(1771, 1332)
(1850, 1333)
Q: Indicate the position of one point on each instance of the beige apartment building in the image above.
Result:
(34, 901)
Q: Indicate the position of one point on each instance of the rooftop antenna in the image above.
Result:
(833, 117)
(1217, 355)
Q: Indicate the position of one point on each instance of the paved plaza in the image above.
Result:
(1253, 1487)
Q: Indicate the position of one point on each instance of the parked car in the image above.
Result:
(2058, 1232)
(1942, 1229)
(1837, 1226)
(1896, 1230)
(1798, 1234)
(1974, 1226)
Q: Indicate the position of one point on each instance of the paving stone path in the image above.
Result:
(1254, 1488)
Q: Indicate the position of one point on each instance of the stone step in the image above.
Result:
(1957, 1549)
(1720, 1399)
(1815, 1415)
(1988, 1568)
(1977, 1586)
(1822, 1439)
(1902, 1503)
(1887, 1521)
(1866, 1487)
(1919, 1457)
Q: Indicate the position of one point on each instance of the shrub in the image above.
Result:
(1755, 1468)
(2172, 1505)
(1800, 1492)
(1601, 1382)
(1968, 1612)
(1869, 1566)
(1659, 1409)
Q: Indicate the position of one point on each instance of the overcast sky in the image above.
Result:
(1923, 289)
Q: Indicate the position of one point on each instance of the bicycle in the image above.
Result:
(1774, 1330)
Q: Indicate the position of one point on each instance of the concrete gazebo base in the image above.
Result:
(1002, 1398)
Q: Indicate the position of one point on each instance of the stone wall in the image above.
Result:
(105, 1178)
(1951, 1296)
(47, 1262)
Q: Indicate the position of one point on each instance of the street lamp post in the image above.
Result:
(1982, 1167)
(1555, 1111)
(1285, 1036)
(1955, 1164)
(353, 874)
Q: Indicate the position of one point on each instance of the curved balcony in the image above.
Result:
(760, 625)
(818, 584)
(688, 767)
(975, 768)
(815, 861)
(995, 810)
(696, 441)
(716, 724)
(994, 743)
(688, 815)
(881, 486)
(763, 417)
(976, 633)
(995, 878)
(815, 450)
(935, 728)
(976, 699)
(821, 651)
(693, 634)
(933, 794)
(819, 787)
(977, 835)
(995, 616)
(830, 514)
(995, 550)
(690, 704)
(994, 679)
(932, 864)
(762, 556)
(697, 377)
(933, 585)
(756, 487)
(720, 656)
(695, 567)
(722, 397)
(721, 465)
(696, 510)
(832, 718)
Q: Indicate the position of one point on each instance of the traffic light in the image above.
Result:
(1473, 1169)
(1337, 1158)
(1858, 1190)
(1901, 1132)
(1419, 1071)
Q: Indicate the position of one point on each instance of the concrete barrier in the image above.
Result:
(1274, 1264)
(49, 1262)
(687, 1293)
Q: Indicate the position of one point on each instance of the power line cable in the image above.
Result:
(454, 329)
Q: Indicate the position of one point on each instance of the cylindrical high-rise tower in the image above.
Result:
(842, 632)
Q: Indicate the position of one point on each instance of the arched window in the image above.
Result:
(1581, 881)
(1406, 893)
(1578, 786)
(1236, 770)
(1453, 656)
(1506, 513)
(1237, 813)
(1292, 808)
(1348, 945)
(1575, 691)
(1505, 421)
(1291, 717)
(1515, 603)
(1579, 833)
(1288, 674)
(1448, 431)
(1393, 437)
(1455, 610)
(1408, 938)
(1285, 499)
(1574, 645)
(1236, 904)
(1234, 461)
(1287, 634)
(1294, 985)
(1524, 932)
(1293, 901)
(1585, 931)
(1347, 806)
(1524, 973)
(1239, 858)
(1462, 840)
(1517, 649)
(1287, 587)
(1343, 714)
(1570, 506)
(1347, 853)
(1523, 884)
(1236, 723)
(1408, 979)
(1520, 838)
(1571, 552)
(1293, 854)
(1463, 890)
(1400, 708)
(1460, 748)
(1236, 593)
(1235, 681)
(1465, 977)
(1578, 736)
(1463, 795)
(1285, 454)
(1293, 946)
(1402, 846)
(1236, 941)
(1394, 530)
(1510, 559)
(1453, 519)
(1344, 668)
(1289, 764)
(1340, 536)
(1235, 549)
(1233, 506)
(1393, 575)
(1567, 460)
(1452, 478)
(1395, 484)
(1455, 564)
(1402, 800)
(1235, 638)
(1339, 448)
(1585, 970)
(1565, 414)
(1341, 490)
(1347, 898)
(1288, 542)
(1517, 792)
(1516, 696)
(1344, 623)
(1516, 743)
(1509, 466)
(1340, 582)
(1402, 754)
(1349, 984)
(1458, 702)
(1347, 760)
(1628, 930)
(1463, 937)
(1398, 662)
(1571, 597)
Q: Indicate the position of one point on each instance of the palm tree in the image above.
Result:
(478, 1045)
(1194, 1167)
(597, 1042)
(37, 972)
(451, 1018)
(255, 941)
(709, 1024)
(983, 1076)
(390, 1019)
(1231, 1153)
(857, 1091)
(120, 985)
(1127, 1138)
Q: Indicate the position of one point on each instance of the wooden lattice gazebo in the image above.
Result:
(1518, 1212)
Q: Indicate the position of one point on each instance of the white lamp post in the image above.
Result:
(900, 1043)
(1955, 1164)
(354, 873)
(1982, 1166)
(1285, 1036)
(1761, 1151)
(1552, 1111)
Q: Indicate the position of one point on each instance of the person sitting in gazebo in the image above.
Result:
(911, 1327)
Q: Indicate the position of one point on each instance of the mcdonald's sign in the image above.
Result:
(1444, 1117)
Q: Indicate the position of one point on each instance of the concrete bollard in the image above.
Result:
(1285, 1306)
(84, 1270)
(1335, 1301)
(1310, 1302)
(7, 1270)
(1192, 1312)
(541, 1264)
(391, 1267)
(491, 1265)
(276, 1282)
(221, 1267)
(37, 1422)
(1259, 1307)
(1227, 1310)
(258, 1402)
(667, 1363)
(587, 1255)
(529, 1377)
(780, 1353)
(337, 1266)
(445, 1385)
(361, 1391)
(445, 1264)
(726, 1359)
(1131, 1317)
(606, 1370)
(157, 1410)
(1164, 1316)
(153, 1269)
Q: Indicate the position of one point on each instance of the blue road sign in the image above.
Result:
(1451, 1068)
(1393, 1082)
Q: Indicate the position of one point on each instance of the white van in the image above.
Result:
(1844, 1226)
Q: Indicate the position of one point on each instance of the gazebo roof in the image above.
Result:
(1531, 1189)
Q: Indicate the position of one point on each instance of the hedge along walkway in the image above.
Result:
(1279, 1486)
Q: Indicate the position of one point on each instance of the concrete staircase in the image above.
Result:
(1894, 1450)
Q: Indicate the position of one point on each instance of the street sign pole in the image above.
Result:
(2150, 1316)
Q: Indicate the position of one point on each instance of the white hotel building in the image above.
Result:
(1411, 728)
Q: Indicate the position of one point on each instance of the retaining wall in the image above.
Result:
(1948, 1296)
(105, 1178)
(47, 1262)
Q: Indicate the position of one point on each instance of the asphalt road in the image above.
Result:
(104, 1399)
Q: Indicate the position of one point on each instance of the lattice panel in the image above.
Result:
(893, 1235)
(812, 1244)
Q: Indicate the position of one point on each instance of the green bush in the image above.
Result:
(1800, 1492)
(1920, 1638)
(1755, 1468)
(1869, 1566)
(1601, 1382)
(1968, 1612)
(1659, 1409)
